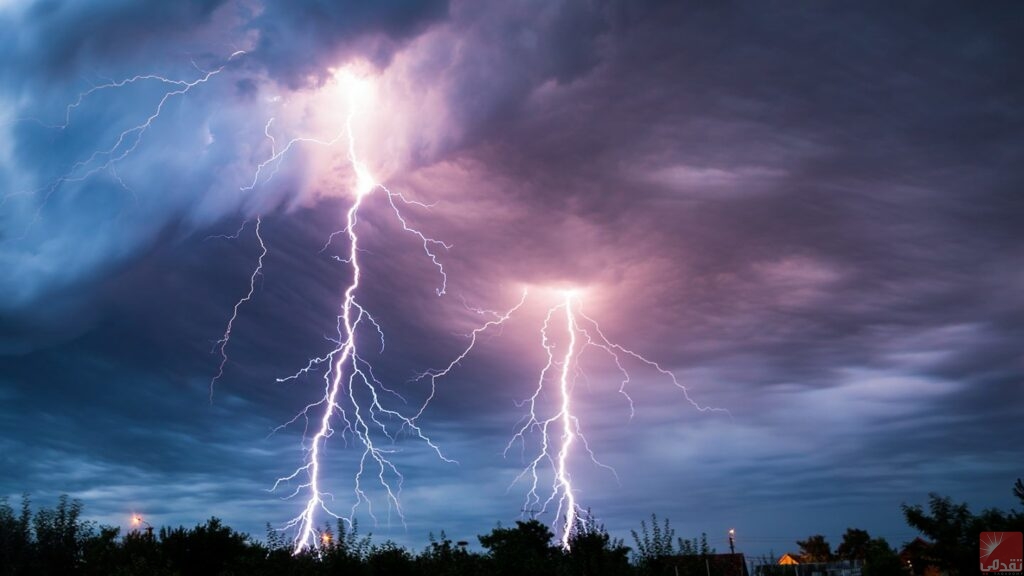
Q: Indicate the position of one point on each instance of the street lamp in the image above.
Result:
(138, 520)
(732, 540)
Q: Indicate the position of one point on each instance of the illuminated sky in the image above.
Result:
(810, 214)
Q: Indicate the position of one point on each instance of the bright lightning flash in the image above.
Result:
(352, 393)
(559, 428)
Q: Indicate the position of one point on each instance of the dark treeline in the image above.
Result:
(58, 541)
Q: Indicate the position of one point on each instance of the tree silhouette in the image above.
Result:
(593, 552)
(653, 546)
(880, 559)
(946, 525)
(390, 559)
(207, 550)
(815, 549)
(525, 549)
(60, 532)
(57, 541)
(954, 532)
(15, 537)
(696, 546)
(344, 551)
(854, 545)
(441, 558)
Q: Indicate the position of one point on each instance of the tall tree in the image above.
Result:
(443, 557)
(880, 559)
(854, 545)
(60, 535)
(15, 537)
(525, 549)
(390, 559)
(593, 552)
(654, 547)
(815, 549)
(656, 542)
(947, 526)
(208, 549)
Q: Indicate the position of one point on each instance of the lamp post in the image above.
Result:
(732, 550)
(138, 520)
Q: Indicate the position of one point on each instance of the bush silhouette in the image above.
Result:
(57, 541)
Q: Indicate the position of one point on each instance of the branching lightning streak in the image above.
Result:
(352, 392)
(274, 160)
(339, 358)
(560, 430)
(220, 346)
(614, 350)
(276, 156)
(570, 428)
(127, 141)
(427, 241)
(348, 367)
(435, 374)
(349, 377)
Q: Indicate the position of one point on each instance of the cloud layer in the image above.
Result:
(809, 214)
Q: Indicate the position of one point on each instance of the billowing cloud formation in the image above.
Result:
(295, 40)
(810, 213)
(77, 141)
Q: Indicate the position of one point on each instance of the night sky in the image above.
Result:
(811, 213)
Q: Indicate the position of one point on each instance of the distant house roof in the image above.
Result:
(914, 550)
(789, 559)
(916, 545)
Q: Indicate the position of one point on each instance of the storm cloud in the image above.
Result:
(810, 214)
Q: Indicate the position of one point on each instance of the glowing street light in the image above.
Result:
(732, 540)
(138, 520)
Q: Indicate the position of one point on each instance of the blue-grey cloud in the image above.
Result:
(809, 213)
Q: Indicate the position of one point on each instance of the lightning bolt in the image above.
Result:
(434, 374)
(352, 400)
(220, 346)
(347, 374)
(126, 142)
(560, 429)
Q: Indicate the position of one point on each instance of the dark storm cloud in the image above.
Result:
(832, 203)
(895, 203)
(810, 213)
(49, 40)
(119, 415)
(298, 41)
(295, 41)
(54, 180)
